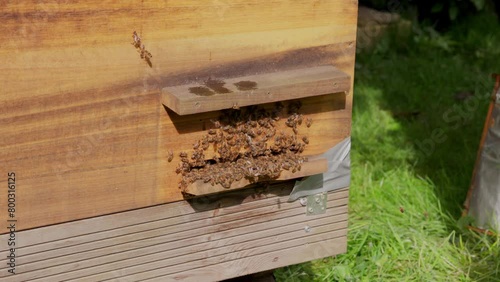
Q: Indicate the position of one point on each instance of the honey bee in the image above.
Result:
(145, 54)
(205, 145)
(216, 123)
(251, 133)
(183, 154)
(299, 119)
(207, 178)
(170, 155)
(137, 40)
(196, 145)
(305, 139)
(309, 122)
(270, 133)
(286, 166)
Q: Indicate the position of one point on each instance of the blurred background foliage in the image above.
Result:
(440, 14)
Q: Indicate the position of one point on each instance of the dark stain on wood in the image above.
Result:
(217, 85)
(246, 85)
(287, 60)
(201, 91)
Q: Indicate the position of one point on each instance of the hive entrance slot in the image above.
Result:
(242, 147)
(213, 94)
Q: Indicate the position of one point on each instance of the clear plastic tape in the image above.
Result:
(337, 176)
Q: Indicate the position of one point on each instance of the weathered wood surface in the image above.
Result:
(257, 89)
(82, 122)
(212, 238)
(311, 167)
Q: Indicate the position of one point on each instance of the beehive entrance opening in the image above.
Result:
(247, 145)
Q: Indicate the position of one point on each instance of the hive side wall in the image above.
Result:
(82, 122)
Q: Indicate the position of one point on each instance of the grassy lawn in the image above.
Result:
(414, 143)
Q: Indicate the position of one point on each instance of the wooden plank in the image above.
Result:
(173, 253)
(160, 268)
(182, 230)
(226, 93)
(311, 167)
(182, 226)
(90, 122)
(79, 232)
(218, 238)
(152, 219)
(262, 262)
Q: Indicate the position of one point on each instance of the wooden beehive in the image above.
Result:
(88, 126)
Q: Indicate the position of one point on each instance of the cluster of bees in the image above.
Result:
(246, 144)
(145, 54)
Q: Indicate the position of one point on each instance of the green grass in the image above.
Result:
(395, 167)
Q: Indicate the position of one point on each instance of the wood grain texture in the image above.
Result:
(260, 89)
(236, 230)
(82, 121)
